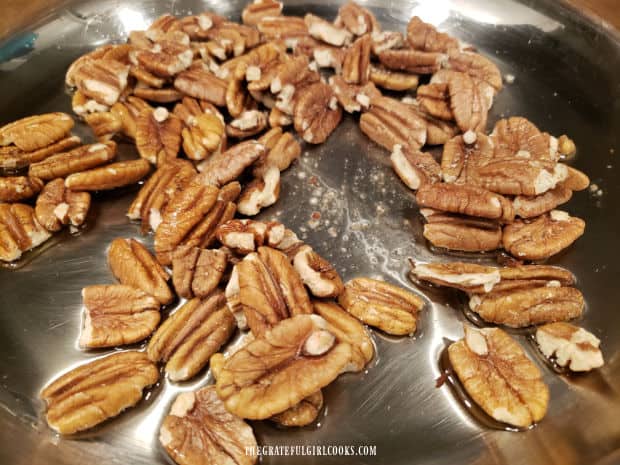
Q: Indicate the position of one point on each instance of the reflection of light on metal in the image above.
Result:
(434, 12)
(132, 20)
(503, 12)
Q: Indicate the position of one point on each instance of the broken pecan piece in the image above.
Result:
(282, 149)
(282, 27)
(105, 125)
(499, 377)
(326, 32)
(102, 80)
(317, 273)
(116, 315)
(392, 80)
(119, 174)
(254, 12)
(542, 237)
(57, 206)
(197, 272)
(98, 390)
(188, 338)
(82, 158)
(434, 99)
(16, 188)
(248, 124)
(569, 346)
(353, 98)
(133, 265)
(203, 85)
(158, 135)
(357, 19)
(522, 307)
(245, 236)
(301, 414)
(200, 430)
(36, 132)
(277, 370)
(227, 166)
(383, 305)
(424, 36)
(415, 168)
(260, 193)
(19, 230)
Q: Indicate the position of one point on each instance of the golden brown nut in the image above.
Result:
(96, 391)
(197, 272)
(282, 27)
(412, 61)
(165, 95)
(542, 237)
(434, 99)
(348, 329)
(36, 132)
(516, 136)
(455, 232)
(119, 174)
(238, 100)
(234, 38)
(529, 306)
(356, 63)
(158, 135)
(167, 57)
(357, 19)
(116, 315)
(102, 80)
(392, 80)
(317, 113)
(466, 200)
(57, 206)
(530, 207)
(254, 12)
(105, 125)
(470, 101)
(477, 66)
(424, 36)
(198, 26)
(576, 180)
(415, 168)
(499, 377)
(317, 273)
(326, 32)
(277, 370)
(12, 157)
(161, 26)
(16, 188)
(227, 166)
(146, 78)
(188, 338)
(133, 265)
(82, 158)
(19, 231)
(205, 136)
(282, 149)
(248, 124)
(261, 192)
(389, 122)
(203, 85)
(96, 54)
(301, 414)
(199, 430)
(566, 146)
(569, 346)
(383, 305)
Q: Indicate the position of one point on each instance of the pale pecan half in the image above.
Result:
(82, 158)
(353, 98)
(57, 206)
(499, 377)
(301, 414)
(203, 85)
(100, 52)
(281, 150)
(200, 430)
(16, 188)
(356, 63)
(133, 265)
(466, 200)
(348, 329)
(412, 61)
(317, 113)
(415, 168)
(260, 193)
(424, 36)
(254, 12)
(158, 135)
(542, 237)
(270, 289)
(325, 31)
(455, 232)
(227, 166)
(392, 80)
(98, 390)
(12, 158)
(119, 174)
(298, 357)
(197, 272)
(116, 315)
(528, 306)
(357, 19)
(19, 230)
(188, 338)
(388, 307)
(317, 273)
(569, 346)
(248, 124)
(389, 122)
(36, 132)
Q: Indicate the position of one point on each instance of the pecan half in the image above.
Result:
(227, 166)
(392, 80)
(203, 85)
(530, 207)
(19, 230)
(434, 99)
(248, 124)
(412, 61)
(389, 122)
(348, 329)
(122, 173)
(133, 265)
(282, 27)
(327, 32)
(197, 272)
(16, 188)
(200, 430)
(82, 158)
(469, 277)
(158, 135)
(165, 95)
(570, 346)
(317, 273)
(516, 136)
(238, 99)
(424, 36)
(542, 237)
(438, 132)
(382, 305)
(12, 158)
(466, 200)
(522, 307)
(298, 357)
(254, 12)
(188, 338)
(270, 289)
(477, 66)
(116, 315)
(576, 180)
(57, 206)
(102, 80)
(260, 193)
(168, 57)
(386, 40)
(357, 19)
(468, 234)
(281, 150)
(415, 168)
(98, 390)
(301, 414)
(499, 377)
(36, 132)
(353, 98)
(105, 125)
(356, 63)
